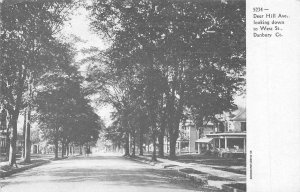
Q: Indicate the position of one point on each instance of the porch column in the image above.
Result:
(179, 146)
(219, 143)
(225, 142)
(199, 149)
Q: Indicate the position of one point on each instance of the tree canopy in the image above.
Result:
(188, 55)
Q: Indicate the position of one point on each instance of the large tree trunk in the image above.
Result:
(56, 148)
(67, 149)
(27, 137)
(28, 127)
(154, 147)
(141, 141)
(15, 116)
(174, 133)
(133, 145)
(126, 147)
(71, 151)
(154, 135)
(63, 149)
(163, 123)
(7, 147)
(161, 145)
(161, 142)
(13, 141)
(173, 139)
(24, 132)
(174, 121)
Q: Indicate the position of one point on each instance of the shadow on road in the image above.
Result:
(108, 170)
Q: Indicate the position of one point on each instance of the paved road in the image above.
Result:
(97, 173)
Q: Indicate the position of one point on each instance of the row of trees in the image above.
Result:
(168, 61)
(63, 113)
(37, 75)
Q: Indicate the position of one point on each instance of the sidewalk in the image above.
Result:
(206, 174)
(36, 160)
(6, 170)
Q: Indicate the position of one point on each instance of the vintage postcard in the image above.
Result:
(144, 95)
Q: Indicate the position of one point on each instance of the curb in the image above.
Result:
(227, 188)
(201, 179)
(11, 172)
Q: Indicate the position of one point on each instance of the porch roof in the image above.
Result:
(204, 140)
(228, 134)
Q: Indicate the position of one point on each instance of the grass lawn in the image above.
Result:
(211, 160)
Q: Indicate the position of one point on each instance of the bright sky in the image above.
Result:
(240, 101)
(79, 26)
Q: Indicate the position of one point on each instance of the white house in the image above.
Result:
(231, 138)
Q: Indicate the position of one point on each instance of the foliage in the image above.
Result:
(64, 113)
(186, 55)
(29, 49)
(27, 41)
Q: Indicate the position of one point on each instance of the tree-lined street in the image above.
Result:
(160, 66)
(98, 173)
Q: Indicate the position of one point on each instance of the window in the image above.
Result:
(221, 127)
(222, 142)
(243, 126)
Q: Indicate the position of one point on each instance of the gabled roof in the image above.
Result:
(241, 116)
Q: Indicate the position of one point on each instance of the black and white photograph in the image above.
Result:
(131, 95)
